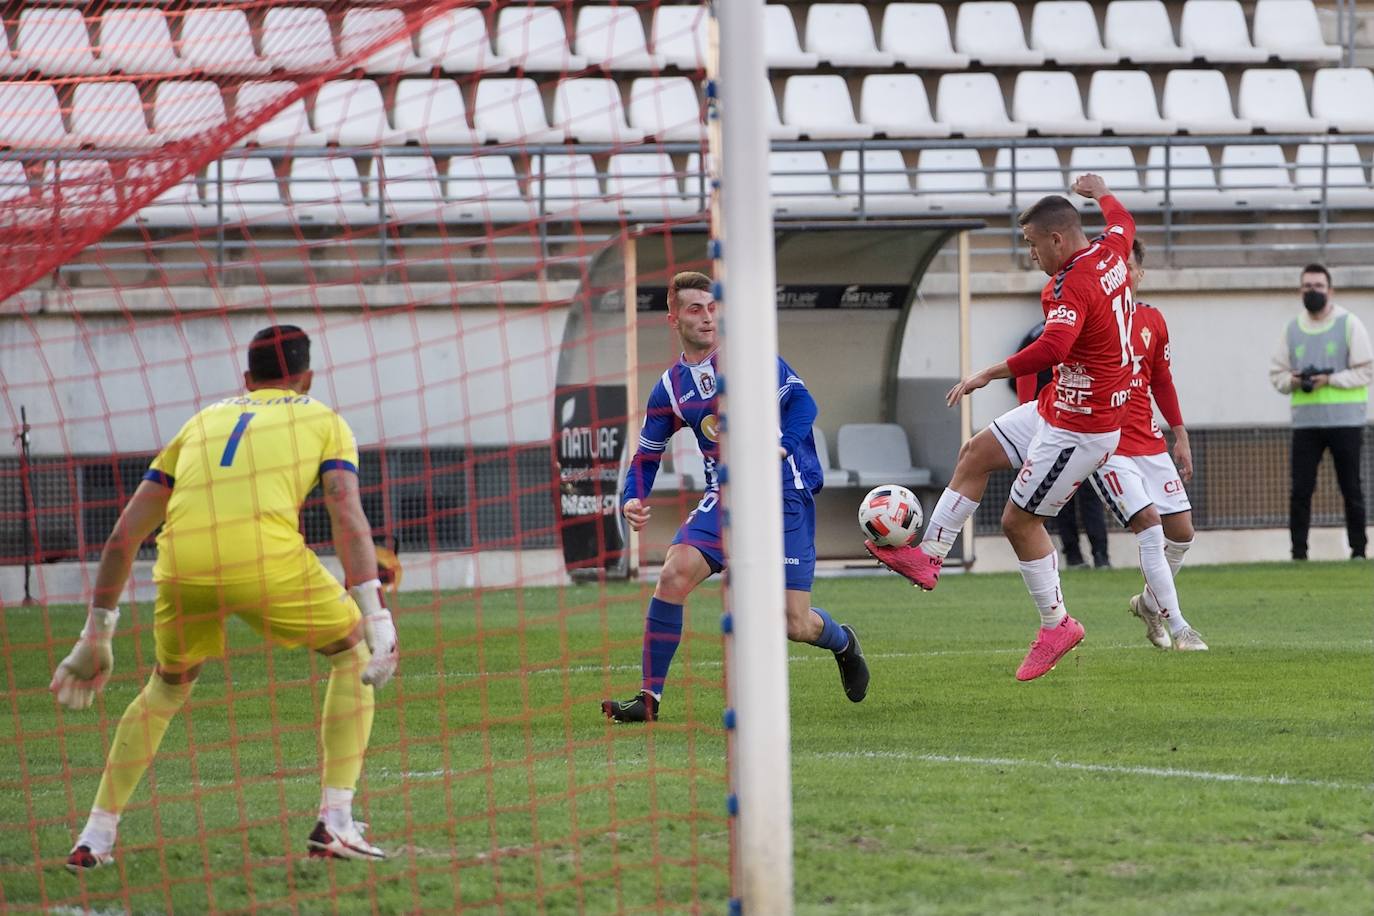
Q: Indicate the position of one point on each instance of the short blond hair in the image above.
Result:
(687, 279)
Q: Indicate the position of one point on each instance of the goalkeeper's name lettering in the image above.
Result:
(574, 504)
(244, 400)
(586, 442)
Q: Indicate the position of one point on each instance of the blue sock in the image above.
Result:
(662, 633)
(832, 637)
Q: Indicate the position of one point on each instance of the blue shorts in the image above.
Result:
(702, 531)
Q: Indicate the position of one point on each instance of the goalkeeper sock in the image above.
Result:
(136, 740)
(946, 521)
(345, 727)
(662, 633)
(832, 636)
(99, 833)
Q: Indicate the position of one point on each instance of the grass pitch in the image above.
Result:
(1128, 780)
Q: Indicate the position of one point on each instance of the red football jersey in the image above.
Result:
(1140, 434)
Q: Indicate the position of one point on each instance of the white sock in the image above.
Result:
(1160, 594)
(1174, 552)
(336, 807)
(99, 833)
(1042, 581)
(946, 521)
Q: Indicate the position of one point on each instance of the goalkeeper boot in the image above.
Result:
(1189, 640)
(83, 859)
(1154, 622)
(1051, 644)
(912, 563)
(642, 707)
(348, 843)
(853, 668)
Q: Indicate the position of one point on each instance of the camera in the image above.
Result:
(1307, 374)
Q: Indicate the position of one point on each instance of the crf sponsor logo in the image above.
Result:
(1173, 487)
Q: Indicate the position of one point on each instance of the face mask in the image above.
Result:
(1313, 301)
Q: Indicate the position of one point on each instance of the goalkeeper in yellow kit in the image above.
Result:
(227, 491)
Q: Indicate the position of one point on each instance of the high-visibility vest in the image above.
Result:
(1327, 348)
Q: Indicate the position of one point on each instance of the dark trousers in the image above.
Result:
(1308, 445)
(1085, 504)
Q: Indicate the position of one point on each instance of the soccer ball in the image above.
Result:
(890, 516)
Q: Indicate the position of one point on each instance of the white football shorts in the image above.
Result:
(1128, 485)
(1053, 461)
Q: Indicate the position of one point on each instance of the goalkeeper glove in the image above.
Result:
(379, 631)
(83, 673)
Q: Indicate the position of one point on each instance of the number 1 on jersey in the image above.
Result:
(232, 445)
(1124, 310)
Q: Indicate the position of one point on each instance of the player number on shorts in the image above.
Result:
(232, 446)
(1113, 483)
(1124, 310)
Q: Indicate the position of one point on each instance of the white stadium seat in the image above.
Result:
(179, 205)
(833, 476)
(352, 113)
(776, 129)
(1343, 176)
(457, 42)
(1141, 32)
(535, 39)
(512, 109)
(1191, 177)
(1124, 102)
(363, 28)
(136, 40)
(485, 189)
(1049, 103)
(1200, 102)
(1037, 172)
(1291, 30)
(219, 42)
(680, 36)
(54, 41)
(432, 111)
(109, 115)
(917, 35)
(249, 188)
(989, 31)
(590, 111)
(781, 49)
(408, 186)
(77, 184)
(896, 105)
(1215, 30)
(1274, 101)
(1345, 98)
(329, 191)
(1117, 166)
(1066, 31)
(820, 108)
(613, 37)
(1257, 177)
(884, 187)
(8, 65)
(841, 34)
(801, 186)
(645, 185)
(186, 108)
(14, 184)
(954, 181)
(878, 453)
(568, 186)
(288, 127)
(972, 105)
(32, 117)
(667, 108)
(298, 39)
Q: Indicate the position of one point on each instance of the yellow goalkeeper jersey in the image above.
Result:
(239, 472)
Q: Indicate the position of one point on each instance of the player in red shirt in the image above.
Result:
(1072, 430)
(1139, 483)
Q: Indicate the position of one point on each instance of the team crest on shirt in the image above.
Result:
(710, 427)
(1145, 336)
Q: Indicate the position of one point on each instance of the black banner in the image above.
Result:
(805, 296)
(590, 433)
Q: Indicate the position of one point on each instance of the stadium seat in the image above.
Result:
(1344, 177)
(511, 109)
(1037, 172)
(776, 129)
(77, 184)
(109, 115)
(971, 104)
(329, 191)
(534, 39)
(1066, 31)
(1274, 101)
(568, 186)
(801, 185)
(989, 31)
(884, 187)
(645, 186)
(1124, 102)
(8, 65)
(1258, 177)
(833, 476)
(590, 111)
(1191, 178)
(352, 113)
(895, 105)
(186, 108)
(1345, 98)
(1048, 102)
(1199, 101)
(219, 42)
(363, 28)
(680, 36)
(137, 41)
(1117, 166)
(53, 40)
(841, 34)
(179, 205)
(485, 189)
(877, 453)
(32, 117)
(820, 108)
(457, 42)
(1215, 30)
(14, 184)
(1141, 32)
(1291, 30)
(432, 111)
(249, 188)
(955, 181)
(613, 37)
(298, 39)
(694, 181)
(288, 127)
(781, 49)
(667, 108)
(409, 187)
(917, 35)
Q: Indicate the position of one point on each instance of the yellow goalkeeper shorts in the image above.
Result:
(307, 607)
